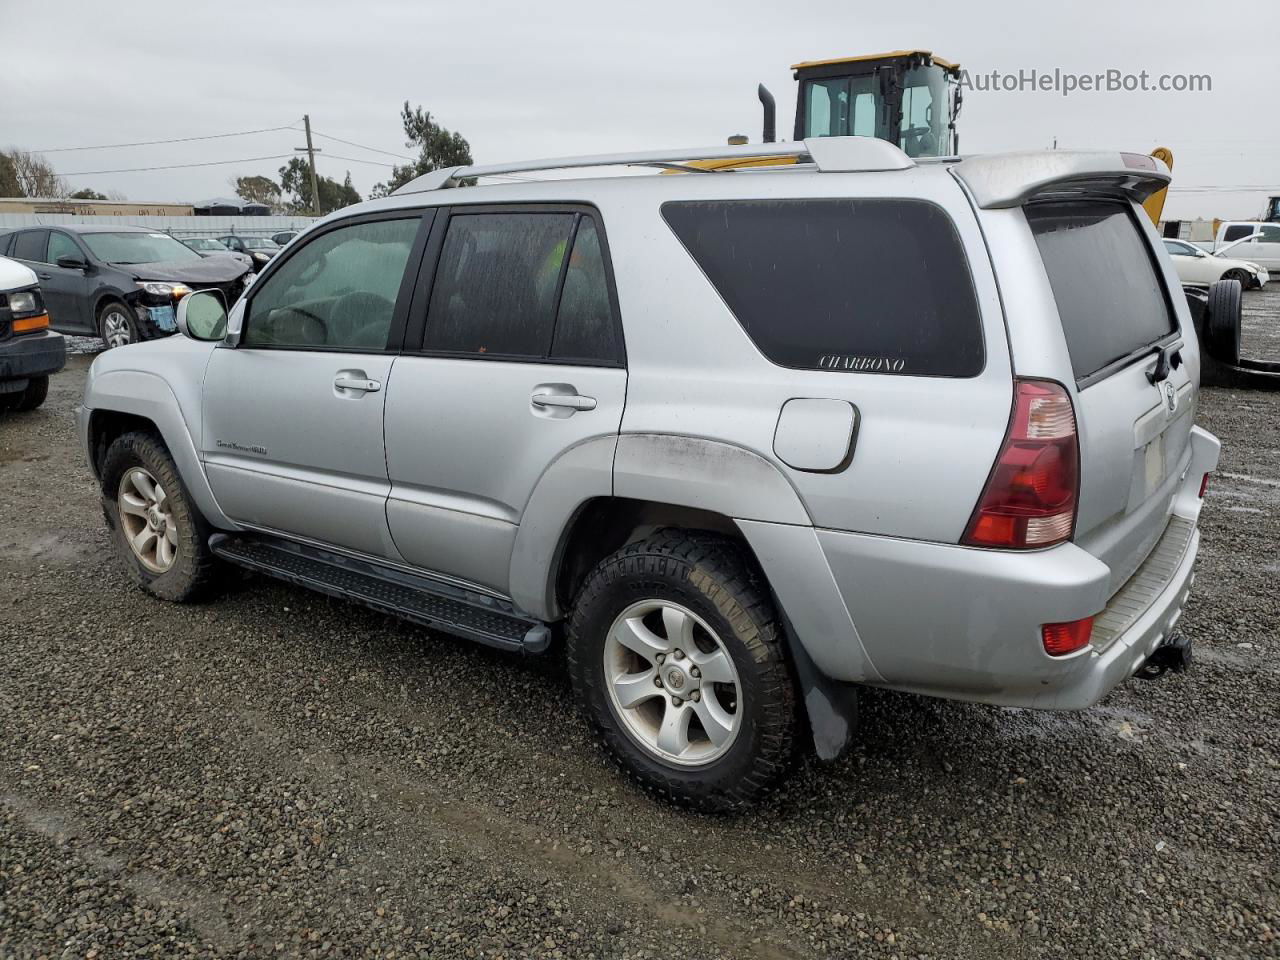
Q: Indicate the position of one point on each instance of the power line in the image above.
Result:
(334, 156)
(152, 143)
(352, 143)
(175, 166)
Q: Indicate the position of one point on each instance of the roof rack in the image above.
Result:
(827, 154)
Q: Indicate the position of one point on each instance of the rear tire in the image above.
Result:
(160, 536)
(33, 396)
(1222, 321)
(714, 738)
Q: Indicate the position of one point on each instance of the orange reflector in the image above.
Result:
(30, 324)
(1062, 638)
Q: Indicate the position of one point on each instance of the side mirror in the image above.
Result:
(71, 262)
(203, 316)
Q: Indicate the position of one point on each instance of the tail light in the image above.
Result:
(1204, 485)
(1062, 638)
(1030, 498)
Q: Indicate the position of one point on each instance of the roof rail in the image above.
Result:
(828, 154)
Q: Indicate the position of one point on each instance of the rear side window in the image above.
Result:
(1237, 231)
(1110, 298)
(872, 286)
(31, 245)
(524, 286)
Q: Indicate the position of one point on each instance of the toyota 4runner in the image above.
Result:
(747, 438)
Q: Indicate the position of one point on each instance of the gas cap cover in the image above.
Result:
(816, 435)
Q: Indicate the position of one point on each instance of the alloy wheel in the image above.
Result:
(672, 682)
(116, 329)
(147, 519)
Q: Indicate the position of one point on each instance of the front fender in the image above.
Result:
(143, 394)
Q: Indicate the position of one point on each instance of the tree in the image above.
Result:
(87, 194)
(436, 146)
(8, 178)
(295, 179)
(35, 175)
(258, 189)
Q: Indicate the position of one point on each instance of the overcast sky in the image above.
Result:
(529, 80)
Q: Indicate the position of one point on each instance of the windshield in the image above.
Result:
(259, 243)
(855, 107)
(137, 247)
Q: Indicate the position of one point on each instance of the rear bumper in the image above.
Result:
(964, 623)
(32, 355)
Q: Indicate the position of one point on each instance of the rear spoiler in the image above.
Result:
(1011, 179)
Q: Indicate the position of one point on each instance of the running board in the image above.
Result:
(430, 603)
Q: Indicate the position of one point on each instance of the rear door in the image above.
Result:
(518, 359)
(1117, 312)
(292, 437)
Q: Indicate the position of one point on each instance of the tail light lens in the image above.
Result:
(1204, 485)
(1062, 638)
(1030, 497)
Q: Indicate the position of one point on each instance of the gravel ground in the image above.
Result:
(275, 773)
(1260, 325)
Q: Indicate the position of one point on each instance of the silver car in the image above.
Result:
(747, 440)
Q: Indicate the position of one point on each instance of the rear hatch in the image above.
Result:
(1118, 317)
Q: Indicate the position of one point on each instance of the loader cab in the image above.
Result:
(1273, 210)
(910, 98)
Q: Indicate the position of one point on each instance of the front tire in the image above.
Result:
(160, 536)
(117, 325)
(676, 656)
(1240, 276)
(34, 395)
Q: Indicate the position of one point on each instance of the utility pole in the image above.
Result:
(311, 152)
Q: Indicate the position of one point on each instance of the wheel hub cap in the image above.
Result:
(672, 683)
(147, 520)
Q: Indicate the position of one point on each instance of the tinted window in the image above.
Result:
(877, 286)
(339, 291)
(1269, 235)
(31, 245)
(1236, 232)
(60, 245)
(6, 240)
(1109, 295)
(495, 288)
(585, 328)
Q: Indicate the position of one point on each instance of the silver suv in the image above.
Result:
(744, 439)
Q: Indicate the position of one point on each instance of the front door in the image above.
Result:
(293, 414)
(521, 360)
(66, 289)
(1263, 249)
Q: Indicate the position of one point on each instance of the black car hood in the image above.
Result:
(204, 270)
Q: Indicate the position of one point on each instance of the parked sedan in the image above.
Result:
(118, 282)
(209, 247)
(259, 249)
(1196, 266)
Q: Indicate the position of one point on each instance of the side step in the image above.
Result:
(430, 603)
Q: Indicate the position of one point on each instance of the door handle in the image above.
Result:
(570, 401)
(358, 384)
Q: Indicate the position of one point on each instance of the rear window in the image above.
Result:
(1237, 231)
(1110, 298)
(870, 286)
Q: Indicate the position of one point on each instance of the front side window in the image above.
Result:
(868, 286)
(60, 245)
(337, 292)
(1269, 235)
(1179, 249)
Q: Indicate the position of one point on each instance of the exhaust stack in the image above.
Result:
(770, 113)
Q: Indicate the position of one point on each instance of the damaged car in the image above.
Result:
(118, 282)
